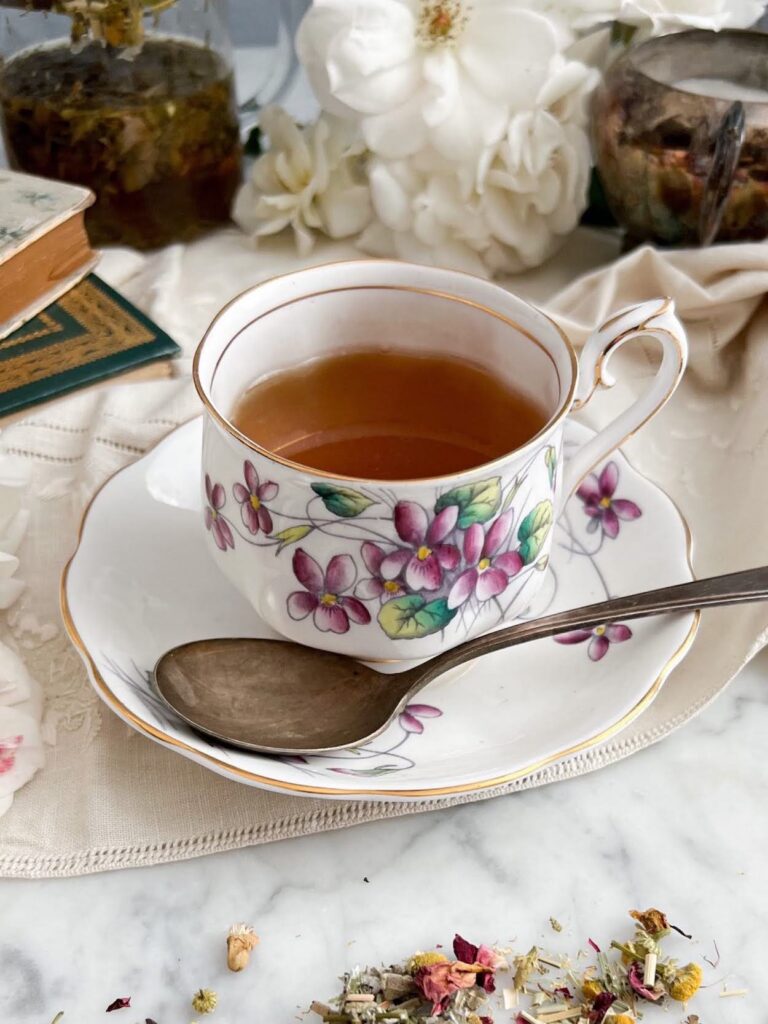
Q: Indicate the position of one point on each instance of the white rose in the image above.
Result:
(309, 178)
(440, 73)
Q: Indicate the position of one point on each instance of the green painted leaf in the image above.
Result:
(533, 531)
(550, 458)
(292, 534)
(411, 617)
(342, 501)
(510, 497)
(542, 563)
(477, 502)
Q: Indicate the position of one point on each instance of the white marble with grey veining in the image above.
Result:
(682, 825)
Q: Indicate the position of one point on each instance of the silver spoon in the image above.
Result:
(283, 698)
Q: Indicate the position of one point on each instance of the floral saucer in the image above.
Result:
(142, 581)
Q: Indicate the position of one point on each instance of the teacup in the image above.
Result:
(321, 572)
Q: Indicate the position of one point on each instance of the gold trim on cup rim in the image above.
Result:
(495, 464)
(109, 698)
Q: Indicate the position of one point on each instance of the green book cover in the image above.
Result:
(90, 333)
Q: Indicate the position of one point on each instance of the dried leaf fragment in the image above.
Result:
(555, 925)
(241, 939)
(525, 966)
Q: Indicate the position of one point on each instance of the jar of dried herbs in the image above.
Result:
(133, 98)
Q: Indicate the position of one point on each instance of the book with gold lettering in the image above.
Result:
(90, 333)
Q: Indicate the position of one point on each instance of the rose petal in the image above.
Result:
(462, 588)
(265, 519)
(218, 497)
(617, 632)
(510, 562)
(625, 509)
(498, 533)
(356, 610)
(409, 723)
(576, 636)
(372, 556)
(610, 523)
(463, 950)
(267, 491)
(491, 583)
(331, 618)
(473, 543)
(424, 711)
(369, 588)
(442, 524)
(608, 480)
(250, 517)
(598, 647)
(240, 493)
(340, 574)
(307, 571)
(392, 565)
(423, 575)
(589, 489)
(411, 522)
(251, 476)
(447, 555)
(300, 604)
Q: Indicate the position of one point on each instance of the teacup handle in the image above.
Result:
(656, 319)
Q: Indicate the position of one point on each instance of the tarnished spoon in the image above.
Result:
(282, 698)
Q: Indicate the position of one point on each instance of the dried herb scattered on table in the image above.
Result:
(633, 977)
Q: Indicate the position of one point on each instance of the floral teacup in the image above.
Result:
(400, 570)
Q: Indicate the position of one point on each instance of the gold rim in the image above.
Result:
(229, 428)
(472, 787)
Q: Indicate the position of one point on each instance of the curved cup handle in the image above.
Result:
(656, 319)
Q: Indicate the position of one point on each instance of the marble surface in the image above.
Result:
(681, 825)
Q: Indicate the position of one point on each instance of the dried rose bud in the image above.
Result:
(685, 983)
(240, 941)
(652, 920)
(204, 1000)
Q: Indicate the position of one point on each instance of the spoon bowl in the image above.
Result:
(279, 697)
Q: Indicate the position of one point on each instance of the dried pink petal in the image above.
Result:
(635, 979)
(601, 1006)
(119, 1004)
(594, 945)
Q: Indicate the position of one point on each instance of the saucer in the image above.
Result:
(141, 581)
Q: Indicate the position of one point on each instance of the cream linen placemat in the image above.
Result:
(109, 798)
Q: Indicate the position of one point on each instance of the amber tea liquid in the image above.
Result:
(386, 415)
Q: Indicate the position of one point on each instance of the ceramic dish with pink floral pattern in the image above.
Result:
(510, 713)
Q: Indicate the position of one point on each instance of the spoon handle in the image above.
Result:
(733, 588)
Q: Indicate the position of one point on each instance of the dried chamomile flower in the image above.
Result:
(591, 989)
(419, 960)
(652, 921)
(685, 983)
(240, 941)
(204, 1000)
(621, 1018)
(638, 948)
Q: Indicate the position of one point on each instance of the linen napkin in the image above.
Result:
(109, 798)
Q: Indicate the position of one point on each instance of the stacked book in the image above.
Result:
(61, 326)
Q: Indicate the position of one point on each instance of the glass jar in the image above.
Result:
(133, 98)
(680, 129)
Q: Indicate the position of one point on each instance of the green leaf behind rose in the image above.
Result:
(477, 502)
(533, 531)
(411, 617)
(342, 501)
